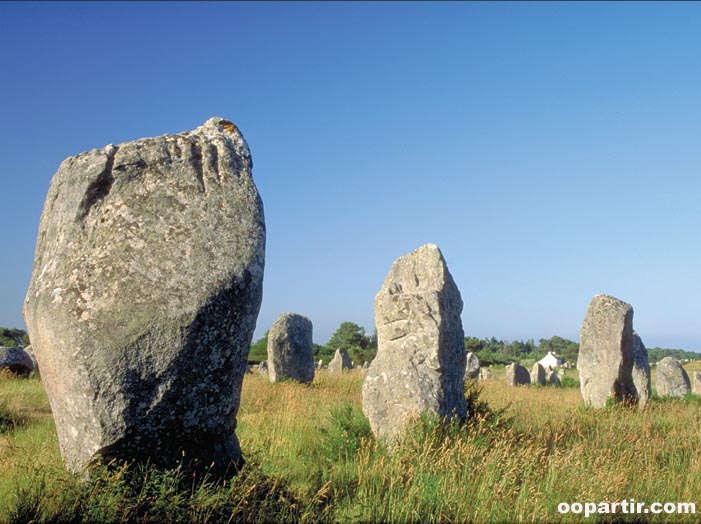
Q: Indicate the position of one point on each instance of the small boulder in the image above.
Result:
(553, 379)
(696, 388)
(340, 362)
(517, 375)
(16, 360)
(672, 379)
(472, 368)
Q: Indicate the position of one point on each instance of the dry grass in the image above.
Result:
(512, 467)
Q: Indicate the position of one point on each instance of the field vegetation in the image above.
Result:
(312, 458)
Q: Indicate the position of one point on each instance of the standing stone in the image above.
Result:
(16, 360)
(641, 371)
(517, 375)
(472, 368)
(340, 362)
(366, 364)
(145, 290)
(608, 355)
(672, 380)
(290, 351)
(420, 362)
(263, 368)
(486, 374)
(30, 351)
(538, 374)
(320, 364)
(697, 383)
(553, 379)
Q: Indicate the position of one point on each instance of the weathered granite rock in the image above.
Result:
(672, 379)
(420, 362)
(641, 371)
(366, 364)
(486, 374)
(145, 290)
(696, 385)
(608, 354)
(320, 364)
(517, 375)
(472, 368)
(290, 351)
(263, 368)
(16, 360)
(30, 351)
(340, 362)
(553, 379)
(538, 374)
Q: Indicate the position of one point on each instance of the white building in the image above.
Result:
(551, 360)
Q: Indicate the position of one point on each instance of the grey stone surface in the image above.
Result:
(696, 384)
(290, 352)
(263, 368)
(538, 374)
(472, 368)
(16, 360)
(340, 362)
(486, 374)
(553, 378)
(609, 354)
(420, 362)
(145, 290)
(641, 371)
(517, 375)
(29, 350)
(672, 379)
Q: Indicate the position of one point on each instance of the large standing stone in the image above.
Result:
(696, 383)
(517, 375)
(290, 351)
(340, 362)
(420, 362)
(611, 363)
(672, 380)
(16, 360)
(145, 291)
(472, 368)
(538, 374)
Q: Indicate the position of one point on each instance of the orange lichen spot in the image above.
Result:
(229, 126)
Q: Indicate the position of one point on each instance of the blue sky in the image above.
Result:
(550, 149)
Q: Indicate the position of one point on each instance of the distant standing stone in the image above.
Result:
(672, 380)
(30, 351)
(553, 379)
(420, 362)
(290, 351)
(538, 374)
(517, 375)
(340, 362)
(16, 360)
(697, 383)
(486, 374)
(145, 291)
(608, 354)
(472, 368)
(641, 371)
(263, 368)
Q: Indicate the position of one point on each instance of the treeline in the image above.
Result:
(657, 354)
(494, 351)
(10, 337)
(349, 336)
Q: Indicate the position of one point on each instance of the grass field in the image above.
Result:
(311, 457)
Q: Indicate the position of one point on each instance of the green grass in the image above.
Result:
(311, 458)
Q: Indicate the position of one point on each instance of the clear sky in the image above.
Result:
(552, 150)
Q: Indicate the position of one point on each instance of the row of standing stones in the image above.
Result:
(145, 291)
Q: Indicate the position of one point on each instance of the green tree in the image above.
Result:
(259, 350)
(13, 337)
(351, 337)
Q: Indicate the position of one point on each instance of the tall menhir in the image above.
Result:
(146, 286)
